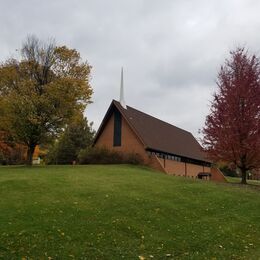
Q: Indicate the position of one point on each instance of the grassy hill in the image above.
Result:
(115, 212)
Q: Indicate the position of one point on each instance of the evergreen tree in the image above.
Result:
(77, 135)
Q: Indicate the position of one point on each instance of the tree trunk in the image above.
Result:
(244, 176)
(30, 151)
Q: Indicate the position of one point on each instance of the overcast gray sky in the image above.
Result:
(171, 50)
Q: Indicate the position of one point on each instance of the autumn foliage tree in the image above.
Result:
(11, 152)
(232, 129)
(40, 92)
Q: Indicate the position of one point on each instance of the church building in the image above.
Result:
(162, 146)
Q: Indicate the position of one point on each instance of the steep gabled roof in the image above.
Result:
(156, 134)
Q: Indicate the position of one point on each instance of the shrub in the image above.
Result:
(133, 158)
(12, 155)
(2, 158)
(105, 156)
(228, 171)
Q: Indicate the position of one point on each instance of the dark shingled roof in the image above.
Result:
(156, 134)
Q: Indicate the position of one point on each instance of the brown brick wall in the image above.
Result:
(174, 167)
(129, 142)
(217, 175)
(155, 163)
(106, 137)
(193, 170)
(178, 168)
(207, 169)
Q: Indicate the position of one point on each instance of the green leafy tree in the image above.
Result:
(40, 92)
(77, 135)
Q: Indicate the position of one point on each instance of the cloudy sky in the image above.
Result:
(171, 50)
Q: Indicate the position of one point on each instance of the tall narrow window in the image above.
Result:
(117, 128)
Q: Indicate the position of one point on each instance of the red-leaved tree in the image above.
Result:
(232, 129)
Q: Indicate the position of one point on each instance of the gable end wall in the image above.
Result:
(129, 141)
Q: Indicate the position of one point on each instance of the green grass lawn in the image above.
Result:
(123, 212)
(238, 180)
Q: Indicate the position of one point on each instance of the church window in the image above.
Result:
(117, 128)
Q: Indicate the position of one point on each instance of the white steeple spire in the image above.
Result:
(122, 97)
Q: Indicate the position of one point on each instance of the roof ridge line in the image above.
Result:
(130, 124)
(155, 118)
